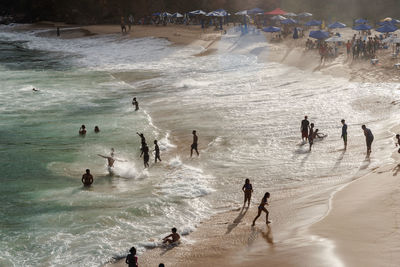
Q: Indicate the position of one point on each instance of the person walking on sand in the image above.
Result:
(304, 128)
(311, 135)
(247, 189)
(174, 237)
(369, 138)
(157, 150)
(87, 178)
(344, 133)
(135, 103)
(261, 208)
(132, 259)
(145, 154)
(194, 145)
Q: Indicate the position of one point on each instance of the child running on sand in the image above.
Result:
(131, 259)
(261, 207)
(174, 237)
(247, 189)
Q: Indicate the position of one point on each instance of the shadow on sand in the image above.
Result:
(237, 220)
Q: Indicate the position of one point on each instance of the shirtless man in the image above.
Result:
(82, 130)
(157, 150)
(111, 158)
(87, 178)
(174, 237)
(194, 145)
(142, 138)
(145, 154)
(135, 103)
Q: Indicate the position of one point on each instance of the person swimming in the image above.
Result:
(194, 144)
(172, 238)
(87, 178)
(145, 154)
(247, 189)
(82, 130)
(157, 150)
(261, 208)
(96, 129)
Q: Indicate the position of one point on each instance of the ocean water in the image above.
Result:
(246, 110)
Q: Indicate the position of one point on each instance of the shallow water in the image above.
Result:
(247, 114)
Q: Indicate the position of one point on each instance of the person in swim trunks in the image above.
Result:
(146, 156)
(174, 237)
(82, 130)
(369, 138)
(247, 189)
(261, 208)
(87, 178)
(311, 135)
(304, 128)
(194, 145)
(344, 134)
(157, 150)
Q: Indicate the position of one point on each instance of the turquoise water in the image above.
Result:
(247, 113)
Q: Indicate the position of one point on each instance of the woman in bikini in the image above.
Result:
(261, 207)
(247, 189)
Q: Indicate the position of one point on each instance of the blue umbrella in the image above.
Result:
(222, 12)
(362, 27)
(319, 35)
(177, 15)
(337, 25)
(197, 12)
(156, 14)
(313, 23)
(289, 21)
(255, 11)
(272, 29)
(244, 12)
(387, 28)
(360, 21)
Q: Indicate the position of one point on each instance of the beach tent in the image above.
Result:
(289, 21)
(276, 11)
(197, 12)
(361, 21)
(290, 14)
(177, 15)
(336, 25)
(255, 11)
(387, 28)
(362, 27)
(272, 29)
(278, 17)
(166, 14)
(304, 15)
(313, 23)
(334, 39)
(320, 35)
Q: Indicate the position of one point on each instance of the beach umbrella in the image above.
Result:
(336, 25)
(166, 14)
(244, 12)
(313, 23)
(177, 15)
(276, 11)
(304, 15)
(360, 21)
(255, 11)
(278, 17)
(197, 12)
(362, 27)
(215, 14)
(272, 29)
(222, 12)
(387, 28)
(334, 39)
(289, 21)
(156, 14)
(320, 35)
(290, 14)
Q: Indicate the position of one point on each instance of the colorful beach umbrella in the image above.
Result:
(336, 25)
(278, 17)
(320, 35)
(362, 27)
(313, 23)
(276, 11)
(387, 28)
(272, 29)
(289, 21)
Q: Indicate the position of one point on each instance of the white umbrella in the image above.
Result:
(278, 17)
(290, 14)
(244, 12)
(335, 39)
(177, 15)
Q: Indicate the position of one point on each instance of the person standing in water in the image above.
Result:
(304, 128)
(344, 134)
(135, 103)
(194, 145)
(142, 138)
(369, 138)
(96, 129)
(311, 135)
(157, 150)
(111, 159)
(261, 208)
(82, 130)
(247, 189)
(145, 154)
(132, 259)
(87, 178)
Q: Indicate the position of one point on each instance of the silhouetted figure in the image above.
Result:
(157, 150)
(247, 189)
(174, 237)
(131, 259)
(87, 178)
(261, 208)
(82, 130)
(304, 128)
(194, 145)
(96, 129)
(145, 154)
(369, 138)
(344, 133)
(135, 103)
